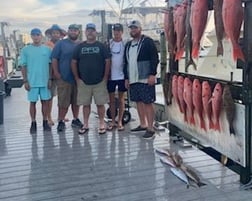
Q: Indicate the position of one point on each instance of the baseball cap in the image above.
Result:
(74, 26)
(36, 31)
(91, 26)
(135, 23)
(118, 27)
(56, 27)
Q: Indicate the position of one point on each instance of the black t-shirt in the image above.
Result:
(91, 61)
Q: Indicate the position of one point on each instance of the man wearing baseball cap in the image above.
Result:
(90, 66)
(66, 85)
(35, 63)
(116, 79)
(140, 69)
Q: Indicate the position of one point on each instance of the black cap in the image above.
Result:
(118, 27)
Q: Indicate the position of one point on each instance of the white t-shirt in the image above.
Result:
(117, 49)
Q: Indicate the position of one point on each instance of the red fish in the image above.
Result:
(216, 106)
(180, 96)
(197, 101)
(175, 89)
(206, 98)
(198, 23)
(180, 29)
(187, 94)
(232, 14)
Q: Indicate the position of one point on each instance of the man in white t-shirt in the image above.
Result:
(116, 80)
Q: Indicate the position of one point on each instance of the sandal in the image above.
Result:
(83, 130)
(102, 131)
(120, 128)
(110, 127)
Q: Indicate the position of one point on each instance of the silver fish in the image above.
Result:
(181, 175)
(167, 160)
(163, 151)
(192, 175)
(177, 159)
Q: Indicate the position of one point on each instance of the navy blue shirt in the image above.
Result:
(91, 59)
(63, 52)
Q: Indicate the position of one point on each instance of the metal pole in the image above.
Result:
(247, 83)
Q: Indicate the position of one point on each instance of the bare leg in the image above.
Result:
(121, 108)
(75, 111)
(86, 113)
(112, 107)
(33, 111)
(44, 109)
(101, 114)
(62, 113)
(141, 114)
(150, 113)
(50, 103)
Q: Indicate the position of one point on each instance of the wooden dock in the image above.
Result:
(118, 166)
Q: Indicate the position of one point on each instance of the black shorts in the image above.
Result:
(111, 86)
(140, 92)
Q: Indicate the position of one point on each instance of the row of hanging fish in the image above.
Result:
(178, 168)
(185, 24)
(195, 98)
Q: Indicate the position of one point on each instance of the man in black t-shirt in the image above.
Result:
(90, 66)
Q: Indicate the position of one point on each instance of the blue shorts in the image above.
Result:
(111, 86)
(39, 92)
(140, 92)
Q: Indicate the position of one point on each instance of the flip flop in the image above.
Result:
(120, 128)
(110, 127)
(83, 130)
(102, 131)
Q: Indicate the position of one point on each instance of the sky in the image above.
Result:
(26, 14)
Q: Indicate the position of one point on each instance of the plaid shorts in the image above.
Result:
(141, 92)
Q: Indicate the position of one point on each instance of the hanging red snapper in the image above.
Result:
(206, 98)
(232, 14)
(187, 94)
(198, 22)
(197, 101)
(180, 29)
(216, 106)
(180, 96)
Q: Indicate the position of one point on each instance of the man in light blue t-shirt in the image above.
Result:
(35, 62)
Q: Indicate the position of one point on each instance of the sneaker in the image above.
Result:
(46, 126)
(137, 129)
(33, 128)
(149, 134)
(77, 123)
(61, 126)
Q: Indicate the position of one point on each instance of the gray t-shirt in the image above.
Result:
(91, 61)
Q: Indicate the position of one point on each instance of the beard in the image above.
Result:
(73, 37)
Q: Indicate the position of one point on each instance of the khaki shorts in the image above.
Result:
(86, 92)
(67, 93)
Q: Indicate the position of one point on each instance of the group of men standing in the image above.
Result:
(86, 70)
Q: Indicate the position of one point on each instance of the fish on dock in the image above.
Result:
(163, 151)
(167, 160)
(192, 175)
(181, 175)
